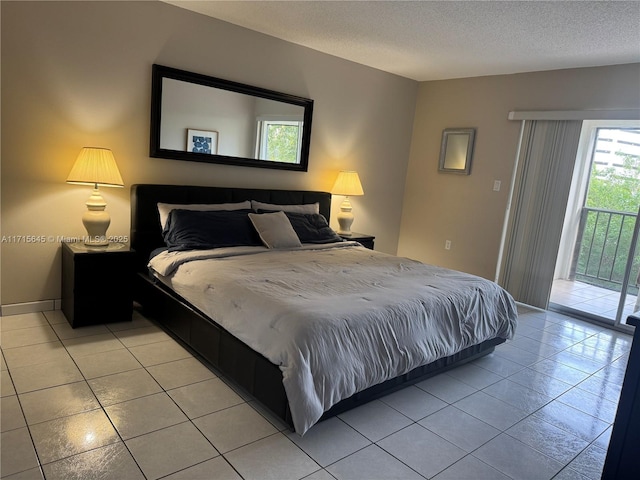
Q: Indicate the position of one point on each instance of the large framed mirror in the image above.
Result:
(200, 118)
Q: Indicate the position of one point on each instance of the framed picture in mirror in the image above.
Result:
(200, 141)
(456, 150)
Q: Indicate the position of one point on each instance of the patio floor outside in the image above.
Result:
(590, 299)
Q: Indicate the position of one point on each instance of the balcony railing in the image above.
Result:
(602, 249)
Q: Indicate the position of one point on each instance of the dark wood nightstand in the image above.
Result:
(363, 238)
(97, 283)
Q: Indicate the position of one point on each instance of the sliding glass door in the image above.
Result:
(598, 266)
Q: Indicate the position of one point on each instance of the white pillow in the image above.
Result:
(275, 230)
(306, 208)
(165, 208)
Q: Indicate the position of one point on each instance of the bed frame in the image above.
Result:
(202, 335)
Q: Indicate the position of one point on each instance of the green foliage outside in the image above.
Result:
(282, 143)
(607, 235)
(615, 188)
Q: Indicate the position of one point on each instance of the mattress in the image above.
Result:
(337, 318)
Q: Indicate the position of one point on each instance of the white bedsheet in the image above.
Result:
(338, 318)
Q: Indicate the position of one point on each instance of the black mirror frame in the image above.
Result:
(160, 72)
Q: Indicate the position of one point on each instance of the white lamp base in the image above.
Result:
(345, 218)
(96, 221)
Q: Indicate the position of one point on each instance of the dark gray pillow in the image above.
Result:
(192, 229)
(312, 228)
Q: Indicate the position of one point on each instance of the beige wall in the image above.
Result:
(465, 209)
(78, 74)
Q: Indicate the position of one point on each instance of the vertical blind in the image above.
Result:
(547, 155)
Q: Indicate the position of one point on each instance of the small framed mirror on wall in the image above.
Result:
(456, 150)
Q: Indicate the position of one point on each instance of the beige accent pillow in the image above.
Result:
(275, 230)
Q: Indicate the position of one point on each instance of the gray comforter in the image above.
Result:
(338, 318)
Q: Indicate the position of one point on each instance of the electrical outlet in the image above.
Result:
(447, 245)
(496, 185)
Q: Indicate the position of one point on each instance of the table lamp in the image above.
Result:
(347, 184)
(96, 166)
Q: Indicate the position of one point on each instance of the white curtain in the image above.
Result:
(547, 155)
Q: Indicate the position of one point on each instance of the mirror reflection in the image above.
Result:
(200, 118)
(456, 150)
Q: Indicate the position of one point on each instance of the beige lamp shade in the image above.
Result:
(95, 166)
(347, 183)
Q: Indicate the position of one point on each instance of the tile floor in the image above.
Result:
(125, 401)
(591, 299)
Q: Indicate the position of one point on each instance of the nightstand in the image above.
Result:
(97, 283)
(363, 238)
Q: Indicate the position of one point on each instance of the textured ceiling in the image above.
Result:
(429, 40)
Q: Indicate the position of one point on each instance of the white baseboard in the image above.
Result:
(30, 307)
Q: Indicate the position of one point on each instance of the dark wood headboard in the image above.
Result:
(146, 233)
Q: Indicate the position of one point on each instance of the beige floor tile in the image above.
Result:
(56, 402)
(34, 354)
(215, 469)
(274, 457)
(65, 331)
(234, 427)
(144, 415)
(414, 402)
(137, 321)
(107, 363)
(408, 446)
(160, 352)
(112, 462)
(63, 437)
(142, 336)
(471, 468)
(124, 386)
(329, 441)
(459, 428)
(183, 372)
(32, 474)
(16, 452)
(276, 421)
(79, 347)
(11, 416)
(375, 420)
(320, 475)
(517, 460)
(159, 454)
(24, 320)
(6, 384)
(372, 463)
(55, 317)
(206, 397)
(28, 336)
(45, 375)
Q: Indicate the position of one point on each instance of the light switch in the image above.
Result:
(496, 185)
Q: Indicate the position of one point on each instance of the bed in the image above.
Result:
(309, 328)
